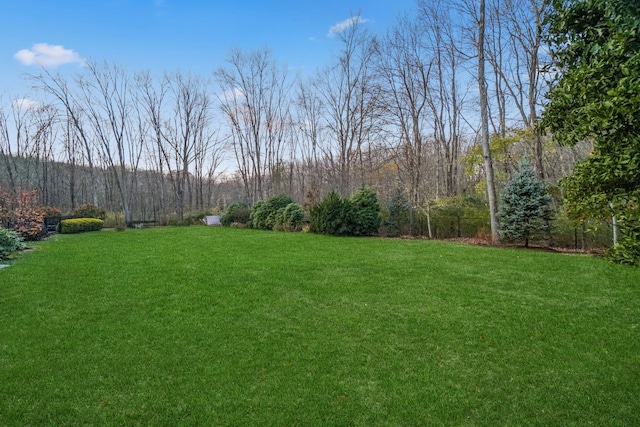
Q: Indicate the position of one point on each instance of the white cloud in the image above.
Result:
(47, 55)
(341, 26)
(25, 104)
(230, 95)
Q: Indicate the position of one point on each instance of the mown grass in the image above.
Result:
(214, 326)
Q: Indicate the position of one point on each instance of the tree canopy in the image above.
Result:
(595, 45)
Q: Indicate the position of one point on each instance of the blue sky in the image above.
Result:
(190, 35)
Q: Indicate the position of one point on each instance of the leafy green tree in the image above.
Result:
(525, 206)
(596, 97)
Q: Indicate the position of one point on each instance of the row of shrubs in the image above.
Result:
(275, 213)
(358, 215)
(362, 215)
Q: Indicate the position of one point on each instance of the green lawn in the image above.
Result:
(215, 326)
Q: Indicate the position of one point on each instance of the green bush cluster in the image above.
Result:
(80, 225)
(236, 213)
(10, 241)
(279, 212)
(264, 213)
(291, 218)
(329, 216)
(358, 215)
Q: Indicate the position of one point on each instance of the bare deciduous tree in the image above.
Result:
(68, 100)
(310, 137)
(254, 100)
(404, 70)
(105, 96)
(349, 99)
(443, 36)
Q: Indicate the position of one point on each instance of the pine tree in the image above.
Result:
(525, 207)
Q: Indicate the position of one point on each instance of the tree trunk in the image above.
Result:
(484, 114)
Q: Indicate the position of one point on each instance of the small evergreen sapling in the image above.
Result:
(525, 206)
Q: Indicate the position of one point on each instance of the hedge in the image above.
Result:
(80, 225)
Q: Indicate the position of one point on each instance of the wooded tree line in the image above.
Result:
(443, 103)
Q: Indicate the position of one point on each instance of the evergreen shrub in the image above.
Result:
(330, 215)
(263, 214)
(10, 241)
(358, 215)
(290, 218)
(80, 225)
(365, 213)
(236, 213)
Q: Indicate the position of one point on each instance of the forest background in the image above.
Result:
(397, 111)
